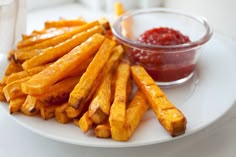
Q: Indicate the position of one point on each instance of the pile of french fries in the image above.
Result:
(74, 71)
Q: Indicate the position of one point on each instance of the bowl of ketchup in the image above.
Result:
(167, 43)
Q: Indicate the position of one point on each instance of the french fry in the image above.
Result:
(85, 123)
(47, 111)
(31, 106)
(64, 23)
(13, 67)
(119, 9)
(61, 115)
(79, 95)
(14, 90)
(118, 107)
(134, 114)
(22, 74)
(103, 131)
(2, 97)
(53, 53)
(36, 39)
(168, 115)
(99, 107)
(61, 38)
(59, 92)
(21, 56)
(40, 82)
(15, 104)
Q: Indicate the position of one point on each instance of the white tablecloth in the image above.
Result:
(218, 140)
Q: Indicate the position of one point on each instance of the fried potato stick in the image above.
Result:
(59, 92)
(80, 92)
(171, 118)
(14, 90)
(134, 115)
(36, 39)
(22, 55)
(40, 82)
(22, 74)
(53, 53)
(111, 65)
(64, 23)
(61, 115)
(13, 67)
(103, 131)
(118, 107)
(60, 38)
(2, 97)
(15, 104)
(99, 107)
(31, 106)
(47, 111)
(85, 123)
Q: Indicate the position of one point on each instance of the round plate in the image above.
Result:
(203, 99)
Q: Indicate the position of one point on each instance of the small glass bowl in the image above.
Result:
(168, 65)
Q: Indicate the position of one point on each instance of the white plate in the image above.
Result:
(203, 100)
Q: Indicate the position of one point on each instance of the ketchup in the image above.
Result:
(164, 66)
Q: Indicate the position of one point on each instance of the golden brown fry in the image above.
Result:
(118, 107)
(64, 23)
(53, 53)
(21, 56)
(119, 9)
(14, 90)
(15, 104)
(22, 74)
(134, 114)
(99, 107)
(103, 131)
(31, 106)
(59, 92)
(61, 115)
(168, 115)
(85, 123)
(40, 82)
(36, 39)
(79, 95)
(13, 67)
(47, 111)
(61, 38)
(2, 97)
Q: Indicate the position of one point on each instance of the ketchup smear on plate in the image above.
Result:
(164, 66)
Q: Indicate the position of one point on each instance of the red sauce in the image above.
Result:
(164, 66)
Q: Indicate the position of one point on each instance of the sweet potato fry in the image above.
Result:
(119, 9)
(39, 83)
(168, 115)
(64, 23)
(15, 104)
(31, 106)
(59, 92)
(134, 114)
(61, 115)
(85, 123)
(60, 38)
(36, 39)
(118, 107)
(13, 67)
(2, 97)
(47, 111)
(22, 74)
(103, 131)
(78, 96)
(20, 55)
(53, 53)
(99, 107)
(14, 90)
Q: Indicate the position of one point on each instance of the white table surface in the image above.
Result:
(218, 140)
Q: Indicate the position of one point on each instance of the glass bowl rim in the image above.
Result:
(136, 44)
